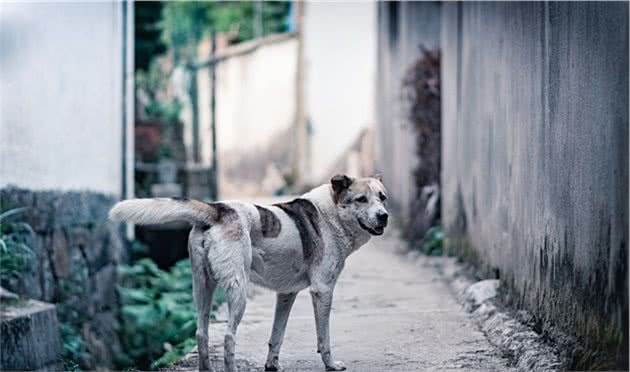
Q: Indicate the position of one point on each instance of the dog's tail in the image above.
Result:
(162, 210)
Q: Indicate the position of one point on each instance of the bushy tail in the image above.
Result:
(162, 210)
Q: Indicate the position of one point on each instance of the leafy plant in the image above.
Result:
(432, 242)
(15, 254)
(422, 92)
(74, 347)
(185, 23)
(169, 112)
(158, 314)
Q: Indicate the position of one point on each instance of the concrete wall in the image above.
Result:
(403, 27)
(61, 106)
(255, 110)
(61, 129)
(340, 64)
(357, 160)
(535, 162)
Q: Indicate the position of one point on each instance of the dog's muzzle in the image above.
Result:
(377, 230)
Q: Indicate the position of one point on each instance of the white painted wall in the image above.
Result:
(340, 57)
(60, 103)
(255, 107)
(255, 98)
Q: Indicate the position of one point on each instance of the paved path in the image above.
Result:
(389, 314)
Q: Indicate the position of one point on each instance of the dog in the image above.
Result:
(286, 247)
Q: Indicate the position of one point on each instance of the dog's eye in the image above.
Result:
(382, 197)
(361, 199)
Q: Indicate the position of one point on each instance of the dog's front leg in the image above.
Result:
(322, 302)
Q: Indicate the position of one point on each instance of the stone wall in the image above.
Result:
(76, 255)
(535, 163)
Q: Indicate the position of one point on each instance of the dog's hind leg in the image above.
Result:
(231, 260)
(237, 299)
(284, 302)
(203, 291)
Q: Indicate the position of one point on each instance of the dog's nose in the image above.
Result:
(382, 218)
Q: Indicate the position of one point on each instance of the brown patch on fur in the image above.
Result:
(306, 218)
(340, 184)
(269, 222)
(227, 218)
(360, 186)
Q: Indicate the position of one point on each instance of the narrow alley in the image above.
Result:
(389, 314)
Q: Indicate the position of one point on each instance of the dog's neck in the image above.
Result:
(349, 240)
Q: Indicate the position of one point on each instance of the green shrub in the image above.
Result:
(74, 347)
(158, 314)
(16, 258)
(15, 254)
(432, 242)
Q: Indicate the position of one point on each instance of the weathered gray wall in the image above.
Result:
(76, 254)
(535, 161)
(403, 27)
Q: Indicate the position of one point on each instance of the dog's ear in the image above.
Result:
(340, 183)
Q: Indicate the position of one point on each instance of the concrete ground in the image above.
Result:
(389, 314)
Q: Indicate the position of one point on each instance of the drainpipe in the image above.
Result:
(301, 151)
(214, 185)
(128, 98)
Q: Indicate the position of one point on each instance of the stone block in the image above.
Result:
(29, 337)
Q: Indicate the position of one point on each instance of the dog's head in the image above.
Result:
(361, 203)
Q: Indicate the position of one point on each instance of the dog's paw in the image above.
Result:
(337, 366)
(272, 363)
(205, 368)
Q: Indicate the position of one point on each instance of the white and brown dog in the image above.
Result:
(285, 247)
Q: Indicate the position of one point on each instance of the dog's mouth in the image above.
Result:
(374, 231)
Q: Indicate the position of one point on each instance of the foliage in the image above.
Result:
(422, 89)
(152, 81)
(15, 254)
(158, 314)
(184, 24)
(432, 242)
(147, 42)
(16, 257)
(239, 17)
(169, 112)
(74, 347)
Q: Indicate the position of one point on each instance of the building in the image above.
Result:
(62, 155)
(534, 155)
